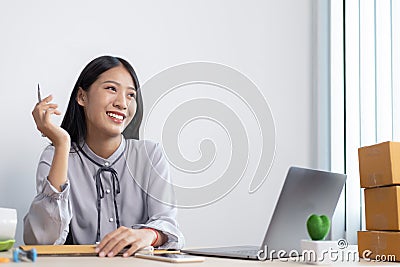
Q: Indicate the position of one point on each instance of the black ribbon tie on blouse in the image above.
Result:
(100, 189)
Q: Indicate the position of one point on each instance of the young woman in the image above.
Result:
(94, 184)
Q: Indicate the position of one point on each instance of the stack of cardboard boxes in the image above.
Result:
(380, 176)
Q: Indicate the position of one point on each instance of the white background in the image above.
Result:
(271, 42)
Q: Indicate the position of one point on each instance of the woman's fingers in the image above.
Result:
(46, 123)
(42, 112)
(105, 240)
(42, 109)
(116, 241)
(42, 106)
(47, 99)
(48, 106)
(42, 115)
(104, 247)
(45, 104)
(49, 112)
(118, 245)
(134, 247)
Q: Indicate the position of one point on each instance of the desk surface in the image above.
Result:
(132, 261)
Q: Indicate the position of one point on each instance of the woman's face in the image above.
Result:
(110, 102)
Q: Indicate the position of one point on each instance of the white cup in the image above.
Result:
(8, 223)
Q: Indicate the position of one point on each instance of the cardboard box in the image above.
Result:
(379, 164)
(382, 208)
(379, 245)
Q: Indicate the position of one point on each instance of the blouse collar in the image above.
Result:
(108, 160)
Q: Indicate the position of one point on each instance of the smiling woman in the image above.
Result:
(109, 107)
(86, 192)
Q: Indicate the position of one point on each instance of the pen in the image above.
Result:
(39, 99)
(166, 251)
(38, 93)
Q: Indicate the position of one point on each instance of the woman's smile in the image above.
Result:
(115, 116)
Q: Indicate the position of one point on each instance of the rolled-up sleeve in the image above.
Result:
(161, 202)
(47, 221)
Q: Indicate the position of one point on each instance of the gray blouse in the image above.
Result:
(140, 196)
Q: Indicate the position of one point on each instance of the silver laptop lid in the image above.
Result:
(304, 192)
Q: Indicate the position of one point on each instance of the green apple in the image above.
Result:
(318, 226)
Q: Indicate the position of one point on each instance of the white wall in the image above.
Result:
(270, 42)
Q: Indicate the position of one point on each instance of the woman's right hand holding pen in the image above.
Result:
(42, 116)
(58, 136)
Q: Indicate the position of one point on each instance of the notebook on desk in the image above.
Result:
(304, 192)
(83, 250)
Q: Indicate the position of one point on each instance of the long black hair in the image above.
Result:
(74, 121)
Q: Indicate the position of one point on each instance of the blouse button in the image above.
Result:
(108, 191)
(111, 220)
(106, 163)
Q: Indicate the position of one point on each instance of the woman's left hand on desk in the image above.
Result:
(117, 240)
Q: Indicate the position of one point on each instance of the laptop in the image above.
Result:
(304, 192)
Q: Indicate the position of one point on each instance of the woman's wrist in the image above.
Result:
(63, 143)
(59, 166)
(156, 237)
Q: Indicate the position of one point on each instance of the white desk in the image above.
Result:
(131, 262)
